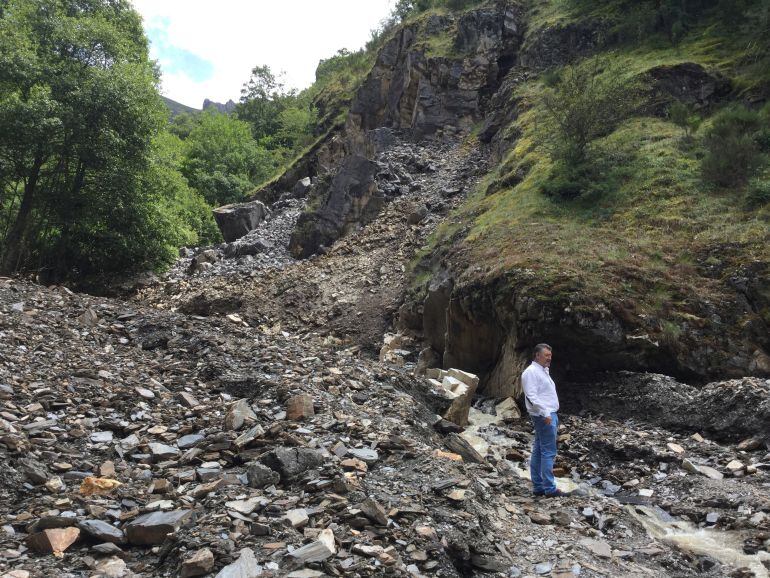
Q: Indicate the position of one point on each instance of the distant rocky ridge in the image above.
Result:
(227, 107)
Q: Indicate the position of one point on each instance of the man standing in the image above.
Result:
(542, 405)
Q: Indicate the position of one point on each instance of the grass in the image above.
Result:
(639, 241)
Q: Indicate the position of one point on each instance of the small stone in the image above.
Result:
(676, 448)
(543, 568)
(317, 551)
(199, 564)
(750, 444)
(189, 441)
(734, 465)
(53, 541)
(457, 495)
(368, 455)
(101, 437)
(244, 567)
(712, 518)
(106, 470)
(112, 567)
(297, 518)
(539, 518)
(250, 435)
(260, 476)
(107, 549)
(374, 511)
(598, 547)
(697, 437)
(300, 407)
(240, 412)
(246, 507)
(145, 393)
(646, 493)
(160, 486)
(188, 400)
(161, 452)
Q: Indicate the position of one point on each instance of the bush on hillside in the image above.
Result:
(758, 192)
(588, 102)
(733, 153)
(683, 116)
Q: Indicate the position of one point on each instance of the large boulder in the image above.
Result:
(238, 219)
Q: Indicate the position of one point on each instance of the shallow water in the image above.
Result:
(721, 545)
(727, 547)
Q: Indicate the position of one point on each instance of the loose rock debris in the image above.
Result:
(190, 432)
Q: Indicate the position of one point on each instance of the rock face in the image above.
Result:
(412, 87)
(237, 220)
(689, 83)
(352, 198)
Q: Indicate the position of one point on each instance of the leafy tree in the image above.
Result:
(78, 108)
(263, 98)
(222, 160)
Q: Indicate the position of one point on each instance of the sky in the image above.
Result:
(207, 49)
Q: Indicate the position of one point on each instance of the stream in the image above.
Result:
(721, 545)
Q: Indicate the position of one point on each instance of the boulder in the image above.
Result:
(237, 219)
(102, 531)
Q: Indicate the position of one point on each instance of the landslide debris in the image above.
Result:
(238, 448)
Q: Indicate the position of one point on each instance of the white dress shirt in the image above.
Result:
(539, 390)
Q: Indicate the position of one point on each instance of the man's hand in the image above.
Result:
(548, 420)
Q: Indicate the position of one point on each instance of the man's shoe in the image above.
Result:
(538, 494)
(558, 494)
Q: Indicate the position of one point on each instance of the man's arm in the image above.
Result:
(529, 384)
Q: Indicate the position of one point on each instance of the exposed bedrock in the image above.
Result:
(489, 328)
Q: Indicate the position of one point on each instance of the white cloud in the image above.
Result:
(236, 35)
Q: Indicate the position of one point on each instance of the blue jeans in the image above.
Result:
(543, 454)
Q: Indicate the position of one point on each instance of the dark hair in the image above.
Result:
(540, 347)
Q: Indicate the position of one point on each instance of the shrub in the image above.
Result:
(588, 102)
(732, 151)
(682, 116)
(758, 192)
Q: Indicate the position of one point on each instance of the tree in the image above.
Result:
(78, 107)
(588, 101)
(222, 160)
(263, 98)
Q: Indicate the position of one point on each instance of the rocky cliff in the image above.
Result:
(695, 312)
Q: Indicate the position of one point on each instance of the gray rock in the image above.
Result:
(301, 188)
(352, 198)
(162, 451)
(244, 567)
(260, 476)
(189, 441)
(290, 463)
(103, 531)
(153, 528)
(367, 455)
